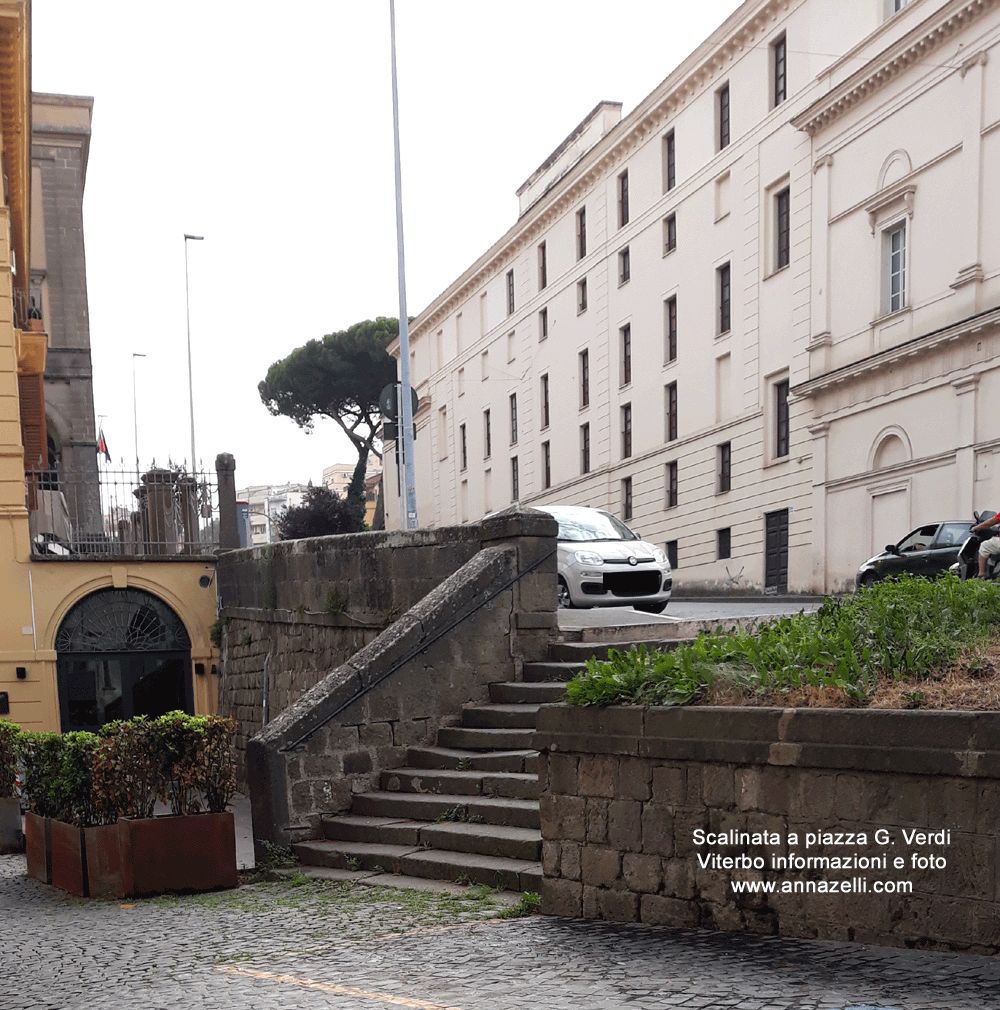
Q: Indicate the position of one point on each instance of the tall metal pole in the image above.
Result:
(404, 412)
(187, 303)
(135, 415)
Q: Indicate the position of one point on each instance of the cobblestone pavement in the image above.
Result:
(347, 947)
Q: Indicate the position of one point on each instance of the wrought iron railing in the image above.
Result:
(96, 513)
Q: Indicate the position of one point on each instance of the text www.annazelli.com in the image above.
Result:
(854, 885)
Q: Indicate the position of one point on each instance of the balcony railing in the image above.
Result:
(93, 515)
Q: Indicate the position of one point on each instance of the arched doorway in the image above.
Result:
(121, 652)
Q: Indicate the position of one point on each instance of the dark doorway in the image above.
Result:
(121, 653)
(776, 551)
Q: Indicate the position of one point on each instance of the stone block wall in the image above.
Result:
(346, 713)
(307, 606)
(869, 826)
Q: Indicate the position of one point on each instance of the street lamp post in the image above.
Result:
(135, 414)
(187, 303)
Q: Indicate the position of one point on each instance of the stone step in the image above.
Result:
(461, 782)
(470, 760)
(580, 652)
(484, 839)
(371, 830)
(343, 855)
(551, 671)
(431, 806)
(516, 716)
(536, 693)
(482, 738)
(468, 867)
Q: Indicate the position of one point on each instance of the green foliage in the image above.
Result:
(335, 603)
(321, 514)
(82, 778)
(215, 632)
(10, 750)
(528, 904)
(339, 377)
(905, 628)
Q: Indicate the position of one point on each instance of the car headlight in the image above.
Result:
(658, 556)
(588, 558)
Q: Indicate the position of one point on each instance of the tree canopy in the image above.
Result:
(340, 377)
(321, 514)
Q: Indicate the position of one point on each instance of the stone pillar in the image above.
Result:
(229, 533)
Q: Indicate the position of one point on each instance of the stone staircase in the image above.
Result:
(465, 809)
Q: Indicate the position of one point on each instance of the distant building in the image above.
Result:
(265, 503)
(758, 318)
(338, 478)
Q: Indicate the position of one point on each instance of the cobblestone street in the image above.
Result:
(315, 943)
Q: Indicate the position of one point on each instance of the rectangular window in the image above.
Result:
(510, 292)
(623, 199)
(463, 442)
(781, 431)
(543, 270)
(546, 465)
(627, 498)
(581, 233)
(545, 400)
(515, 480)
(725, 467)
(723, 543)
(894, 242)
(722, 115)
(584, 448)
(724, 291)
(513, 418)
(782, 228)
(584, 362)
(669, 162)
(670, 408)
(487, 435)
(624, 267)
(670, 329)
(779, 68)
(581, 295)
(671, 547)
(626, 412)
(543, 323)
(669, 233)
(625, 342)
(670, 498)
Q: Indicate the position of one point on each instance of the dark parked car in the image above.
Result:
(929, 550)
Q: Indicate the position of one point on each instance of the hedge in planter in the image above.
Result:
(95, 796)
(10, 804)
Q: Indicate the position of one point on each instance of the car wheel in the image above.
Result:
(651, 608)
(562, 595)
(867, 580)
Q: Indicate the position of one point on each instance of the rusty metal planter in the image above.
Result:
(10, 824)
(69, 860)
(38, 846)
(190, 853)
(109, 866)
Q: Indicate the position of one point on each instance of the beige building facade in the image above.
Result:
(757, 318)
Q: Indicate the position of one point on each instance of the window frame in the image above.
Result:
(782, 228)
(670, 233)
(779, 70)
(581, 233)
(625, 355)
(625, 413)
(623, 202)
(669, 161)
(724, 298)
(583, 363)
(463, 447)
(581, 296)
(723, 117)
(546, 465)
(512, 400)
(670, 329)
(585, 461)
(543, 323)
(510, 292)
(627, 503)
(670, 491)
(624, 266)
(543, 268)
(724, 543)
(515, 479)
(782, 428)
(725, 467)
(670, 411)
(544, 396)
(894, 301)
(487, 434)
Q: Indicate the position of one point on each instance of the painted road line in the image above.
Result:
(339, 990)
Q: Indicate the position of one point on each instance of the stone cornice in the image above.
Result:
(707, 63)
(878, 72)
(912, 348)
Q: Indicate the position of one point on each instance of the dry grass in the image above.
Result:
(972, 685)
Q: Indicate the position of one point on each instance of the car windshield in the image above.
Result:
(918, 540)
(592, 525)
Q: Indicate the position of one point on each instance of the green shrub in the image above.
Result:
(42, 755)
(126, 771)
(905, 628)
(10, 749)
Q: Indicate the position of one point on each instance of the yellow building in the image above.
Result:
(108, 579)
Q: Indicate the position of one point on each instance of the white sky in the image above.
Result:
(267, 128)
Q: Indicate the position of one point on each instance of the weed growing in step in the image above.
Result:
(527, 905)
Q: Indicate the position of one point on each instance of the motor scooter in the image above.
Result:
(967, 565)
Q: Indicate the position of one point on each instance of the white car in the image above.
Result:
(602, 563)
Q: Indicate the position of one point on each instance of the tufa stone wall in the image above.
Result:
(307, 606)
(340, 714)
(858, 825)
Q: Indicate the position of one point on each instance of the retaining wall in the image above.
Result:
(871, 826)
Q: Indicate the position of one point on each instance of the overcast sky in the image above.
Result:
(267, 128)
